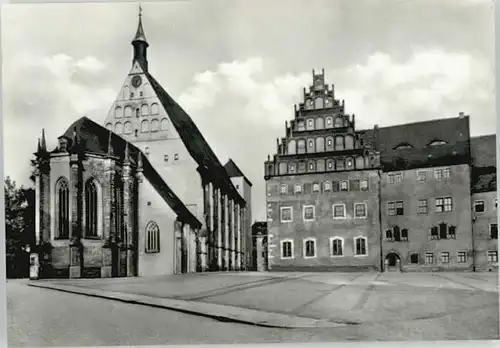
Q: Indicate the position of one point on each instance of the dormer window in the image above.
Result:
(403, 146)
(437, 143)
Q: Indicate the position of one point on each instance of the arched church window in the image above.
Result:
(154, 109)
(349, 142)
(155, 125)
(164, 124)
(127, 127)
(318, 103)
(152, 238)
(292, 147)
(118, 112)
(128, 111)
(109, 126)
(62, 204)
(339, 143)
(145, 126)
(118, 128)
(320, 144)
(91, 203)
(145, 109)
(320, 124)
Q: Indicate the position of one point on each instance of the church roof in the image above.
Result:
(94, 138)
(234, 171)
(428, 143)
(195, 142)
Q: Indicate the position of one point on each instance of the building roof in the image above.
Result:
(233, 171)
(94, 138)
(484, 165)
(195, 142)
(416, 138)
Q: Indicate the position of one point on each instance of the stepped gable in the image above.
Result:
(94, 138)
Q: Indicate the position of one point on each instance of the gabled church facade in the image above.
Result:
(142, 194)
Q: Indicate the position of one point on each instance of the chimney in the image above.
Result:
(461, 115)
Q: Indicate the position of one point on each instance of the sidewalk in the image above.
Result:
(298, 300)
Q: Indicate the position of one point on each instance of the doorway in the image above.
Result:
(393, 262)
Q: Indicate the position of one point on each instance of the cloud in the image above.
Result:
(48, 92)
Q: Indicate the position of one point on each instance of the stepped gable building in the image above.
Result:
(186, 215)
(419, 196)
(322, 189)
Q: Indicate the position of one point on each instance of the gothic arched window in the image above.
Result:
(320, 144)
(128, 111)
(91, 205)
(292, 147)
(320, 123)
(155, 125)
(152, 238)
(145, 110)
(164, 124)
(119, 210)
(145, 126)
(118, 128)
(127, 128)
(154, 109)
(62, 204)
(339, 122)
(318, 103)
(118, 112)
(339, 143)
(109, 126)
(283, 168)
(301, 146)
(349, 142)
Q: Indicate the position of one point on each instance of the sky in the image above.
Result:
(237, 67)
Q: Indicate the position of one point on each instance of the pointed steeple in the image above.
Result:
(126, 157)
(140, 44)
(43, 144)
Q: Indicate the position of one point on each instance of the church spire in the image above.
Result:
(140, 44)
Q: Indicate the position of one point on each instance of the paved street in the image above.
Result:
(380, 306)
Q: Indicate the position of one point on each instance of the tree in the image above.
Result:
(19, 226)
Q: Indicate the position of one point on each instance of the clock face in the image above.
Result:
(136, 81)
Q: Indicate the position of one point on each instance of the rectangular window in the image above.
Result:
(284, 189)
(422, 206)
(165, 158)
(494, 231)
(286, 214)
(446, 172)
(360, 244)
(421, 175)
(461, 257)
(298, 188)
(339, 211)
(395, 208)
(496, 202)
(395, 178)
(336, 247)
(479, 206)
(492, 256)
(445, 257)
(327, 186)
(438, 173)
(309, 248)
(429, 258)
(444, 204)
(443, 231)
(354, 184)
(360, 210)
(335, 186)
(434, 232)
(286, 249)
(308, 213)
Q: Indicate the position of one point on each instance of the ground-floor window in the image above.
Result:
(309, 248)
(286, 249)
(494, 231)
(492, 256)
(462, 257)
(360, 246)
(445, 257)
(429, 258)
(337, 247)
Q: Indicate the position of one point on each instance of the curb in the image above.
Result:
(218, 312)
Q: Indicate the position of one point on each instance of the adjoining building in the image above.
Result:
(145, 186)
(388, 198)
(259, 246)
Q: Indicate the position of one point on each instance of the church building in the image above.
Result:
(142, 194)
(411, 197)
